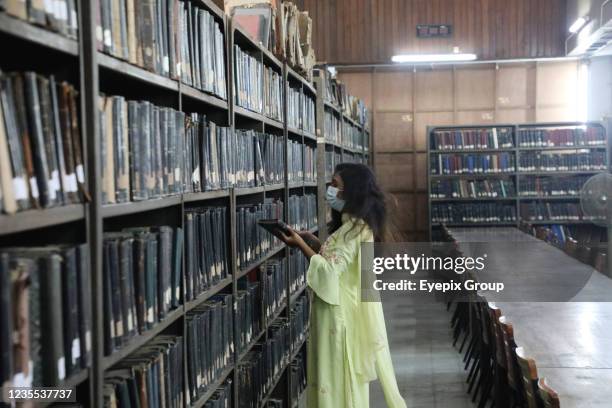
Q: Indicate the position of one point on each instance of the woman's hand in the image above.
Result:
(311, 239)
(293, 239)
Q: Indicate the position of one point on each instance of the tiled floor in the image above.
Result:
(429, 370)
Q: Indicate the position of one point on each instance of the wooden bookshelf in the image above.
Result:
(514, 175)
(88, 221)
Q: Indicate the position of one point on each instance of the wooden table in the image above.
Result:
(570, 341)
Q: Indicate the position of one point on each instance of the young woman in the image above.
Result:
(348, 345)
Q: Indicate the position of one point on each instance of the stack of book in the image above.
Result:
(142, 281)
(260, 367)
(302, 211)
(209, 161)
(493, 163)
(298, 264)
(222, 397)
(539, 211)
(210, 343)
(294, 114)
(253, 241)
(472, 139)
(249, 321)
(274, 279)
(333, 127)
(206, 249)
(332, 158)
(566, 161)
(308, 114)
(295, 162)
(351, 136)
(152, 376)
(60, 16)
(173, 38)
(473, 213)
(41, 156)
(273, 152)
(310, 163)
(248, 83)
(488, 188)
(563, 137)
(300, 320)
(45, 324)
(273, 94)
(248, 159)
(143, 150)
(551, 186)
(297, 373)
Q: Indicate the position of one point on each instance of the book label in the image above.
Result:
(34, 187)
(21, 189)
(76, 350)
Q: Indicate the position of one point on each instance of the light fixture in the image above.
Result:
(415, 58)
(578, 24)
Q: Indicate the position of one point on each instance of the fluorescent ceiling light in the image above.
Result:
(433, 57)
(577, 25)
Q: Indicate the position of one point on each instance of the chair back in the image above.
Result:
(600, 262)
(495, 329)
(507, 331)
(529, 378)
(548, 396)
(571, 247)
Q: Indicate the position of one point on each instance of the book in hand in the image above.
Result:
(275, 227)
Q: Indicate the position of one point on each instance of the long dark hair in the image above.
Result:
(364, 199)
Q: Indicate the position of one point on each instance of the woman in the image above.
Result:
(348, 345)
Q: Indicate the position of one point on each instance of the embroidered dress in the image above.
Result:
(348, 346)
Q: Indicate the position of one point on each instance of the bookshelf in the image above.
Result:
(93, 72)
(334, 149)
(544, 173)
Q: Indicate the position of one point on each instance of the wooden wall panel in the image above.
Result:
(397, 128)
(512, 86)
(394, 172)
(515, 116)
(434, 90)
(393, 91)
(371, 31)
(474, 117)
(475, 88)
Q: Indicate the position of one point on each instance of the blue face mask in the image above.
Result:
(332, 199)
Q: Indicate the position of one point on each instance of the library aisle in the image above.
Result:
(428, 368)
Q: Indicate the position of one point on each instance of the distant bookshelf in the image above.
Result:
(505, 174)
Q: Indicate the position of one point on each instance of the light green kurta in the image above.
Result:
(348, 346)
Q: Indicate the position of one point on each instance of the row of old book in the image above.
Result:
(174, 38)
(41, 155)
(473, 213)
(563, 137)
(259, 369)
(471, 139)
(298, 265)
(274, 284)
(210, 343)
(302, 211)
(568, 161)
(547, 211)
(300, 111)
(253, 241)
(150, 377)
(142, 281)
(259, 88)
(352, 136)
(301, 162)
(151, 152)
(332, 158)
(60, 16)
(488, 188)
(335, 92)
(455, 164)
(551, 186)
(348, 157)
(45, 324)
(332, 127)
(300, 320)
(297, 373)
(206, 249)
